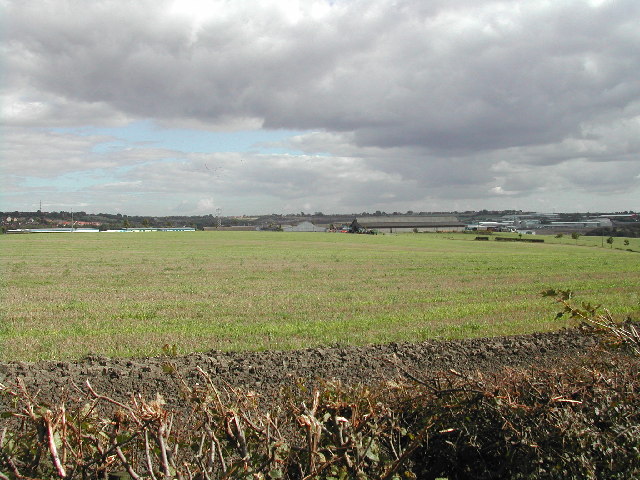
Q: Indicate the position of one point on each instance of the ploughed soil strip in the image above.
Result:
(267, 373)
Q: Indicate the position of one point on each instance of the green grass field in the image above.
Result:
(129, 294)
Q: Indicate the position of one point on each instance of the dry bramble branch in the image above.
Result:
(140, 437)
(614, 333)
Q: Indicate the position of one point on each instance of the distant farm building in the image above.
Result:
(153, 229)
(591, 223)
(73, 224)
(582, 227)
(405, 223)
(237, 228)
(303, 227)
(492, 227)
(54, 230)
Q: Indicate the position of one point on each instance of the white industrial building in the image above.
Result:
(303, 227)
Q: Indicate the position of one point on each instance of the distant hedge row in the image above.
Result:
(513, 239)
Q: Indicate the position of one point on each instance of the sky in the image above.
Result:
(165, 107)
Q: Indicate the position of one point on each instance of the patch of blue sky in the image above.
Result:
(146, 134)
(107, 147)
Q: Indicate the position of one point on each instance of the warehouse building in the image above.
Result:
(303, 227)
(406, 223)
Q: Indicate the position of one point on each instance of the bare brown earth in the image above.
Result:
(266, 373)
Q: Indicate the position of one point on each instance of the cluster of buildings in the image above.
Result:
(369, 223)
(547, 224)
(97, 230)
(516, 222)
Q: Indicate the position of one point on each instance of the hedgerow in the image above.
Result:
(578, 422)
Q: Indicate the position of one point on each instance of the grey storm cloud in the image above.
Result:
(493, 75)
(464, 98)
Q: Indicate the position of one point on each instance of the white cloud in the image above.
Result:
(206, 205)
(403, 103)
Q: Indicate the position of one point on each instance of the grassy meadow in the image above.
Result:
(129, 294)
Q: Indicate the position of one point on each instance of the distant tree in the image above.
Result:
(575, 236)
(626, 242)
(559, 235)
(610, 241)
(125, 223)
(145, 222)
